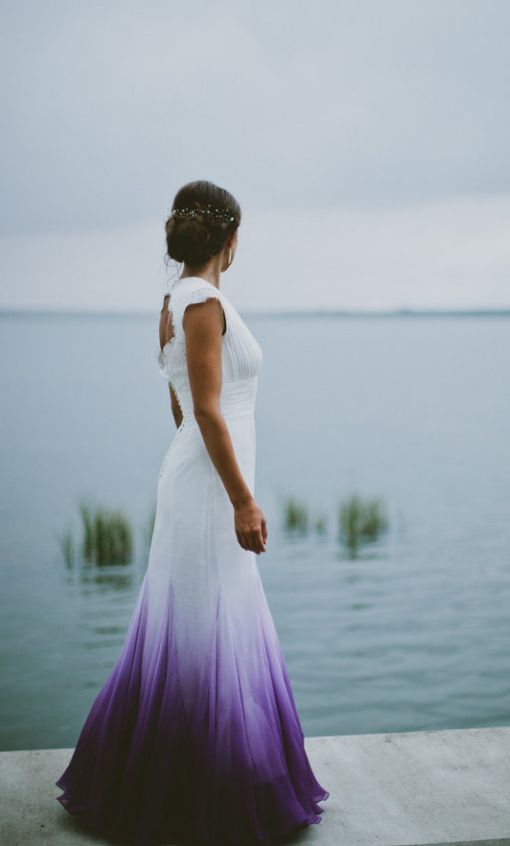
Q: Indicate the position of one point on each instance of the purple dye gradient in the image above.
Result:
(194, 739)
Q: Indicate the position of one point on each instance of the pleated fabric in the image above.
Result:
(194, 737)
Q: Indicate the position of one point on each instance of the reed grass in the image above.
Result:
(295, 515)
(107, 535)
(67, 545)
(361, 521)
(321, 524)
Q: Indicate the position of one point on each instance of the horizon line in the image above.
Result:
(333, 312)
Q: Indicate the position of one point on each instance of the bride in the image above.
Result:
(195, 736)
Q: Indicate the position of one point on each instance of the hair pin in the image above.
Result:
(216, 214)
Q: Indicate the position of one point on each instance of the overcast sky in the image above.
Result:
(367, 143)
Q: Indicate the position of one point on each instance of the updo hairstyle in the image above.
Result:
(194, 237)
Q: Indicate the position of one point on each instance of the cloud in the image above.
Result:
(109, 107)
(447, 254)
(452, 253)
(366, 142)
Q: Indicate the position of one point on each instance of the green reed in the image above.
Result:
(67, 545)
(297, 517)
(107, 536)
(361, 520)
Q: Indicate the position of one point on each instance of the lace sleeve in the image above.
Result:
(200, 295)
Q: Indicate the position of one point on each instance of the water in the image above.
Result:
(414, 634)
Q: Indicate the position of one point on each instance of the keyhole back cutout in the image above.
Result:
(166, 325)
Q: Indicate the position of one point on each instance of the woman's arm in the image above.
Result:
(203, 326)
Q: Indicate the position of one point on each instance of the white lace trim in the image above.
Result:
(200, 295)
(179, 403)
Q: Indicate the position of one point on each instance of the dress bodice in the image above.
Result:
(241, 353)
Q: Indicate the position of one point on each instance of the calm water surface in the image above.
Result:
(413, 634)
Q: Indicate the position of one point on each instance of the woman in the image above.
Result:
(195, 736)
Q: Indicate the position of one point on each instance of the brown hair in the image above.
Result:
(196, 240)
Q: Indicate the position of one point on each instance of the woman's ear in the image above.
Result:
(233, 241)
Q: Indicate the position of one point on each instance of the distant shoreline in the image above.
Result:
(324, 313)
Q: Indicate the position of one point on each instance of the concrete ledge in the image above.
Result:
(404, 789)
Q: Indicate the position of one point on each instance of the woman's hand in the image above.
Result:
(250, 525)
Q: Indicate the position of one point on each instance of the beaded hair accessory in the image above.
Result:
(209, 213)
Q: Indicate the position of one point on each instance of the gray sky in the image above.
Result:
(367, 143)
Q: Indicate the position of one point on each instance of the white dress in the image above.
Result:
(195, 737)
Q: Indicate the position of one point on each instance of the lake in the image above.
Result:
(412, 634)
